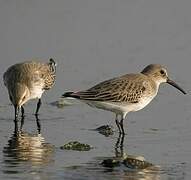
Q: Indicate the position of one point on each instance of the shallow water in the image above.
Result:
(38, 156)
(93, 41)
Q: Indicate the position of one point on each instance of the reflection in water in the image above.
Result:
(121, 166)
(25, 147)
(119, 146)
(132, 167)
(22, 123)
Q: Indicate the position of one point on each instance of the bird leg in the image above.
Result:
(16, 118)
(38, 123)
(38, 106)
(22, 122)
(119, 146)
(22, 111)
(22, 117)
(117, 123)
(121, 125)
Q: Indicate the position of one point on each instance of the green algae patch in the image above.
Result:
(111, 163)
(106, 130)
(130, 161)
(76, 146)
(136, 163)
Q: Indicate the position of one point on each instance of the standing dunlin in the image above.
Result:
(130, 92)
(28, 80)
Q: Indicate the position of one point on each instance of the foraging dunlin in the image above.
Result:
(130, 92)
(28, 80)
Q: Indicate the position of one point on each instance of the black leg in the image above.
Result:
(118, 124)
(38, 123)
(16, 118)
(118, 141)
(121, 125)
(22, 122)
(22, 117)
(122, 140)
(119, 146)
(38, 106)
(22, 111)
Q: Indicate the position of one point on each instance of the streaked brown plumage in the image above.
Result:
(130, 92)
(28, 80)
(121, 89)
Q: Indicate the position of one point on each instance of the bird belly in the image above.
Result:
(120, 107)
(115, 107)
(36, 92)
(141, 104)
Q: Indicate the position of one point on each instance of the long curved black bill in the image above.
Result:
(175, 85)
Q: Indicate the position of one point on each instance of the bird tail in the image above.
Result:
(70, 94)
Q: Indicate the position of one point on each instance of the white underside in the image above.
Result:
(120, 108)
(36, 92)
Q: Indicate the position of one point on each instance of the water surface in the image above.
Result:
(93, 41)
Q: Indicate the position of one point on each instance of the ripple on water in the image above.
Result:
(24, 152)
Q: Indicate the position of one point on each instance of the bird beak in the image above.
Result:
(172, 83)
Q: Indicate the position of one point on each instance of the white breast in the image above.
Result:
(36, 92)
(140, 105)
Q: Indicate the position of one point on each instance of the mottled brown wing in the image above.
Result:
(12, 75)
(129, 88)
(31, 72)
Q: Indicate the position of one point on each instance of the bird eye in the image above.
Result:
(162, 72)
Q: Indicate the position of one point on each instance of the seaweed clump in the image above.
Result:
(76, 146)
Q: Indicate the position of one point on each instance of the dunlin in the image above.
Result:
(28, 80)
(130, 92)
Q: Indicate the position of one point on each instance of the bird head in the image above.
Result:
(159, 74)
